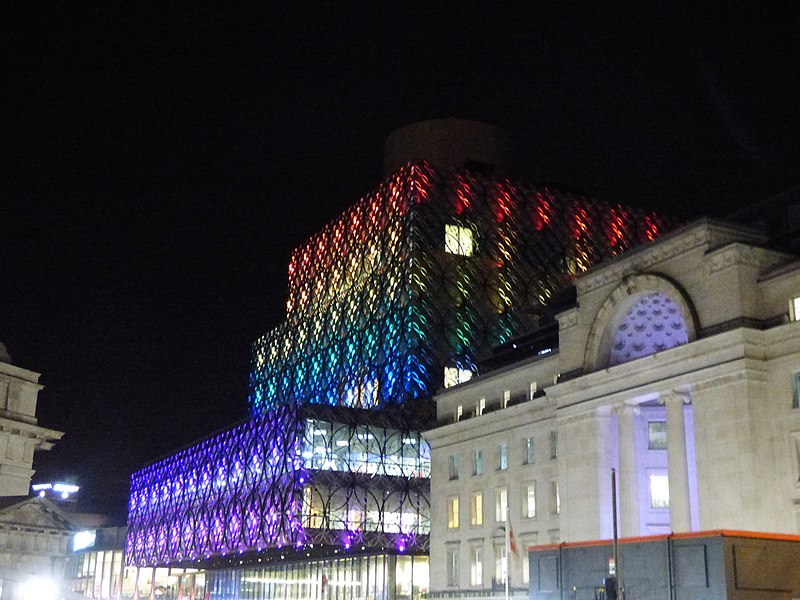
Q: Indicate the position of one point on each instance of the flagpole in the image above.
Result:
(508, 551)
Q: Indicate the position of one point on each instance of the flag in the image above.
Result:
(512, 541)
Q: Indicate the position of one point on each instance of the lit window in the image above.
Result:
(452, 566)
(476, 508)
(553, 444)
(530, 500)
(500, 563)
(452, 513)
(530, 451)
(555, 498)
(794, 308)
(481, 406)
(477, 462)
(458, 240)
(502, 450)
(659, 490)
(459, 413)
(500, 504)
(533, 390)
(506, 398)
(657, 435)
(454, 376)
(476, 566)
(454, 467)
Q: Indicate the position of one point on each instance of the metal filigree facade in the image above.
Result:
(294, 478)
(431, 270)
(427, 273)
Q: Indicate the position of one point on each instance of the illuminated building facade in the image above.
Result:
(325, 488)
(678, 365)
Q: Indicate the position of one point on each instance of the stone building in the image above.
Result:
(677, 365)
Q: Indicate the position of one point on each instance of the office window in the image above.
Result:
(502, 456)
(530, 451)
(458, 240)
(657, 435)
(555, 498)
(452, 566)
(476, 508)
(500, 563)
(553, 444)
(659, 490)
(477, 462)
(481, 406)
(476, 566)
(530, 500)
(452, 512)
(453, 376)
(794, 308)
(500, 504)
(453, 467)
(796, 399)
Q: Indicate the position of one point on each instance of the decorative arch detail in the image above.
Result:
(645, 314)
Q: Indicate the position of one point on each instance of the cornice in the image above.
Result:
(736, 254)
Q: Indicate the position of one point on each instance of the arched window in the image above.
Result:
(653, 324)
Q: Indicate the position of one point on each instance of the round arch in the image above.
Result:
(648, 313)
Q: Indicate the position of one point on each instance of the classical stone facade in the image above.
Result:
(677, 366)
(20, 435)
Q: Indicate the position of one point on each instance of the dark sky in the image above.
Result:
(158, 167)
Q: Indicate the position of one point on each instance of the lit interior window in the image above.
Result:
(458, 240)
(659, 491)
(454, 376)
(794, 308)
(452, 513)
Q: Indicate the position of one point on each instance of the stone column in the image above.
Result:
(677, 468)
(628, 485)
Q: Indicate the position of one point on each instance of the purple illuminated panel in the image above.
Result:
(288, 479)
(240, 490)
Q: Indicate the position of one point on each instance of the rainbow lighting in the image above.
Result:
(426, 273)
(405, 291)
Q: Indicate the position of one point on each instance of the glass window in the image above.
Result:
(530, 451)
(452, 512)
(476, 508)
(794, 308)
(500, 563)
(476, 566)
(452, 566)
(453, 376)
(506, 397)
(659, 490)
(481, 406)
(453, 467)
(477, 462)
(500, 504)
(533, 389)
(530, 500)
(553, 444)
(458, 240)
(502, 461)
(555, 498)
(459, 412)
(657, 435)
(796, 399)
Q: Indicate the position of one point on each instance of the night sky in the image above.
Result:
(158, 167)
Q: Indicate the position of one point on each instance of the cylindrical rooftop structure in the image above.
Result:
(455, 143)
